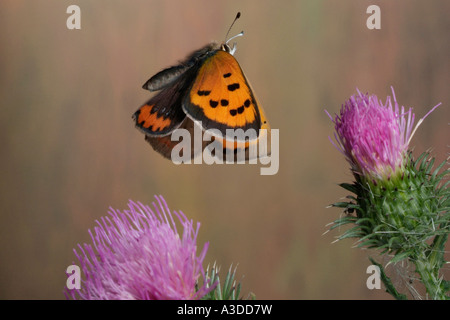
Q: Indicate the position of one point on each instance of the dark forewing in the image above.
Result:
(164, 78)
(169, 75)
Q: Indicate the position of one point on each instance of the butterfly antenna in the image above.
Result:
(238, 15)
(238, 35)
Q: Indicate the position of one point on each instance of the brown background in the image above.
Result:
(69, 149)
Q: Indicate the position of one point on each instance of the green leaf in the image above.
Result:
(368, 243)
(446, 285)
(439, 169)
(349, 187)
(399, 257)
(228, 290)
(343, 221)
(388, 283)
(341, 204)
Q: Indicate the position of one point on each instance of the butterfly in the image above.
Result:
(208, 90)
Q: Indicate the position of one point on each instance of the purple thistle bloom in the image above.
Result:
(374, 137)
(138, 254)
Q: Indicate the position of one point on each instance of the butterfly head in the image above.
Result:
(226, 47)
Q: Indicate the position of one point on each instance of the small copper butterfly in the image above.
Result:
(207, 89)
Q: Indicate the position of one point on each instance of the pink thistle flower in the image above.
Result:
(374, 137)
(139, 254)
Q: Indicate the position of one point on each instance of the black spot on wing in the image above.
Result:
(213, 103)
(233, 86)
(203, 92)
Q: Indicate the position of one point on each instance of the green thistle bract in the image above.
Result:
(396, 215)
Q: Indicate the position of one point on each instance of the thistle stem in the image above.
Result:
(428, 264)
(388, 283)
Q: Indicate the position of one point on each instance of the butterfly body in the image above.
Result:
(207, 89)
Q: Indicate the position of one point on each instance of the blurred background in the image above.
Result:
(69, 149)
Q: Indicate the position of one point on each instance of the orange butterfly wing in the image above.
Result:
(162, 113)
(220, 97)
(247, 146)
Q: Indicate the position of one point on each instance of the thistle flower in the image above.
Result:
(400, 203)
(139, 254)
(374, 137)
